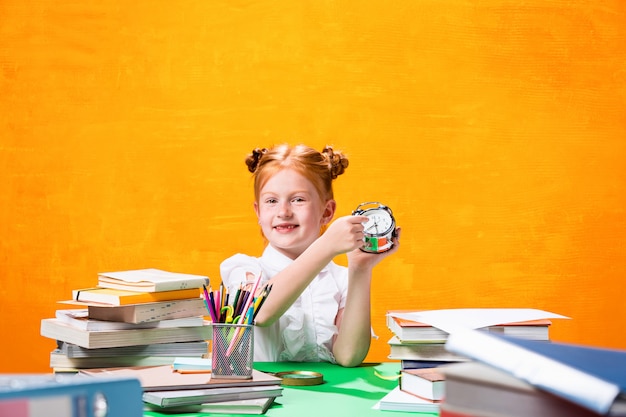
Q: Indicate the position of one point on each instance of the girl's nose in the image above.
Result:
(285, 210)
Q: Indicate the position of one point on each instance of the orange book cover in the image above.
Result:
(123, 297)
(414, 331)
(410, 323)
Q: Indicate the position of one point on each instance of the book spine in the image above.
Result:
(538, 370)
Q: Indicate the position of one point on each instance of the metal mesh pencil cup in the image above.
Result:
(232, 351)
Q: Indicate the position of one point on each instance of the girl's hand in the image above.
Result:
(359, 260)
(345, 234)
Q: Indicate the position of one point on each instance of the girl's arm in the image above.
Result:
(343, 235)
(354, 321)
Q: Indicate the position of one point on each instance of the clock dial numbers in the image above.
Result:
(379, 228)
(379, 222)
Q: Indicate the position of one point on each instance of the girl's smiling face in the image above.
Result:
(291, 212)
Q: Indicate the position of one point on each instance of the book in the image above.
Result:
(478, 390)
(415, 331)
(446, 410)
(421, 351)
(148, 312)
(202, 396)
(56, 329)
(428, 383)
(30, 395)
(79, 319)
(419, 364)
(398, 400)
(184, 364)
(592, 377)
(172, 349)
(253, 406)
(163, 378)
(60, 360)
(410, 331)
(115, 297)
(150, 280)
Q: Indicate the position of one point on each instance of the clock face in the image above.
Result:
(379, 222)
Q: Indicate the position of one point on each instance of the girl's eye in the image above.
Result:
(298, 200)
(270, 201)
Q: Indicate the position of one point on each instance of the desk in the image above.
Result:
(346, 392)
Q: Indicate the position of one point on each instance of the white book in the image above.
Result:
(203, 396)
(60, 360)
(57, 330)
(79, 318)
(251, 406)
(421, 351)
(150, 280)
(139, 313)
(188, 349)
(427, 383)
(398, 400)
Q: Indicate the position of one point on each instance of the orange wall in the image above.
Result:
(494, 129)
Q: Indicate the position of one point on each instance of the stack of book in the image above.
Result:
(419, 342)
(420, 345)
(168, 389)
(516, 378)
(131, 318)
(419, 390)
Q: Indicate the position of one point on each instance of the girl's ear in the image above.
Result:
(329, 212)
(256, 209)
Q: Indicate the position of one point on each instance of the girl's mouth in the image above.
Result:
(285, 227)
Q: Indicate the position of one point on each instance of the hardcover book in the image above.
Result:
(115, 297)
(409, 331)
(27, 395)
(419, 364)
(428, 383)
(421, 351)
(415, 331)
(478, 390)
(150, 280)
(592, 377)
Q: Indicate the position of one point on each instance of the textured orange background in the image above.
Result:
(495, 130)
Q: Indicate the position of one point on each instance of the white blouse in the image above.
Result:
(305, 332)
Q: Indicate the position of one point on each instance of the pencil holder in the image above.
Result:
(232, 351)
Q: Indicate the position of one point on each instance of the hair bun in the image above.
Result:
(252, 161)
(337, 161)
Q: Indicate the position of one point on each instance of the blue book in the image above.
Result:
(69, 396)
(592, 377)
(418, 364)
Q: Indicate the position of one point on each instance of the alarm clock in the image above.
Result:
(379, 229)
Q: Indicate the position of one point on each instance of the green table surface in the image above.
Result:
(345, 391)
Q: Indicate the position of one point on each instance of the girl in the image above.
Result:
(317, 310)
